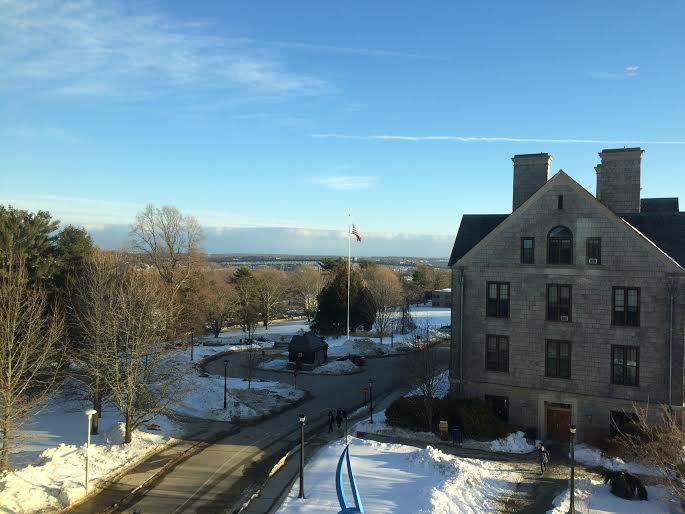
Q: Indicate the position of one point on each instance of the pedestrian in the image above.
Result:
(543, 456)
(331, 419)
(338, 418)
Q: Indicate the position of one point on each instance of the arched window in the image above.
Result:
(560, 246)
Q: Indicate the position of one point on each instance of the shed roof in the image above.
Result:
(307, 342)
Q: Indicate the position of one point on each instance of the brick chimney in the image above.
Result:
(618, 179)
(531, 171)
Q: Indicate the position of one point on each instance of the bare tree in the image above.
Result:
(218, 299)
(656, 440)
(171, 240)
(247, 306)
(426, 377)
(92, 307)
(251, 360)
(386, 291)
(141, 386)
(270, 288)
(30, 331)
(306, 284)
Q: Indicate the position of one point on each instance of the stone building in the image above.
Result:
(572, 308)
(441, 298)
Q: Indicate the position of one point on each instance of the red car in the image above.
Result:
(357, 360)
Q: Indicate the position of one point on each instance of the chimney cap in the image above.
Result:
(617, 153)
(542, 156)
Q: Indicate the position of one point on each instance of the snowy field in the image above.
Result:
(592, 457)
(594, 497)
(330, 368)
(394, 478)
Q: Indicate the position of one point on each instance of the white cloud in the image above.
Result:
(345, 182)
(627, 72)
(95, 49)
(494, 139)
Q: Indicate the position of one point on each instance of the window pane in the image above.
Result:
(619, 299)
(492, 291)
(504, 291)
(553, 251)
(527, 244)
(565, 252)
(632, 297)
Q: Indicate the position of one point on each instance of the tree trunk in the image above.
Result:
(128, 432)
(5, 449)
(97, 405)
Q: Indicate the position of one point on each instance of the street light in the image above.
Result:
(572, 431)
(371, 400)
(90, 413)
(225, 373)
(191, 344)
(302, 418)
(392, 332)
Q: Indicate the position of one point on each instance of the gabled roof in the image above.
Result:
(473, 228)
(665, 230)
(307, 342)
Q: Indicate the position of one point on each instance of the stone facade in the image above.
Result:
(618, 179)
(627, 260)
(441, 298)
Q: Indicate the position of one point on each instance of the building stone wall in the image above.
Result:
(590, 392)
(531, 172)
(618, 179)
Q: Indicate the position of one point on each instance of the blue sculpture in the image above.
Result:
(346, 509)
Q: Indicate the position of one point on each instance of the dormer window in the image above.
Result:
(560, 246)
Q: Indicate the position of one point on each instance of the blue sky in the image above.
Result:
(270, 121)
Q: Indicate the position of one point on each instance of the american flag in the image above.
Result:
(356, 233)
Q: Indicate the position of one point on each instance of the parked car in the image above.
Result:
(357, 360)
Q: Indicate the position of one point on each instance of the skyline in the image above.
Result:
(270, 129)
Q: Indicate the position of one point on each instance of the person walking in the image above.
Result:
(543, 456)
(331, 419)
(338, 418)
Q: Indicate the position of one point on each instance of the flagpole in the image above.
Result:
(349, 272)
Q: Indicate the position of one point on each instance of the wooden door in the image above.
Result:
(558, 421)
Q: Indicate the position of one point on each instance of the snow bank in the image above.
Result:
(381, 427)
(513, 443)
(592, 457)
(204, 397)
(337, 368)
(404, 479)
(594, 497)
(57, 478)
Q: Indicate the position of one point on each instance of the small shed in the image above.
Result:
(308, 349)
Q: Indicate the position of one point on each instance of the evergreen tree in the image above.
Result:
(331, 316)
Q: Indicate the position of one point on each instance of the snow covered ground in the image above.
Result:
(424, 317)
(204, 397)
(49, 469)
(592, 457)
(594, 497)
(330, 368)
(403, 479)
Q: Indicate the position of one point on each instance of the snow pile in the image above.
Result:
(337, 368)
(592, 457)
(273, 364)
(513, 443)
(203, 397)
(593, 496)
(402, 479)
(58, 476)
(381, 427)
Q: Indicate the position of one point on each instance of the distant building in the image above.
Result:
(573, 305)
(307, 349)
(442, 297)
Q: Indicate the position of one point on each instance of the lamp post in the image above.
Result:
(371, 401)
(392, 332)
(225, 373)
(302, 418)
(191, 344)
(572, 435)
(89, 413)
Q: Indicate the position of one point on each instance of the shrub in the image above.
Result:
(475, 417)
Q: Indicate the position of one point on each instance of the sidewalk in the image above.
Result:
(119, 488)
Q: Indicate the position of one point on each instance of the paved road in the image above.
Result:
(222, 476)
